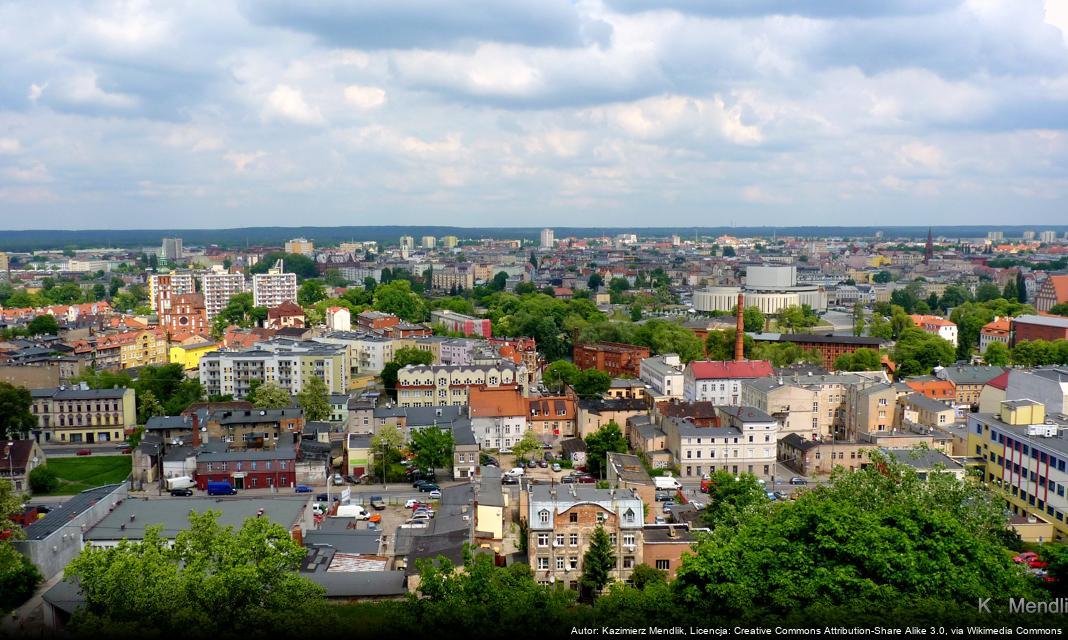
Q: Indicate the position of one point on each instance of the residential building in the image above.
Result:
(218, 289)
(460, 323)
(171, 251)
(721, 381)
(286, 315)
(1054, 291)
(186, 314)
(124, 350)
(744, 443)
(968, 381)
(189, 352)
(594, 413)
(617, 359)
(461, 276)
(407, 242)
(249, 468)
(1047, 237)
(663, 374)
(449, 242)
(1046, 385)
(943, 391)
(358, 457)
(300, 246)
(1034, 327)
(338, 319)
(251, 428)
(376, 321)
(287, 364)
(664, 547)
(17, 459)
(553, 418)
(997, 330)
(625, 471)
(442, 385)
(274, 287)
(428, 242)
(164, 288)
(465, 450)
(872, 409)
(498, 415)
(935, 325)
(925, 461)
(79, 415)
(561, 523)
(1025, 451)
(547, 240)
(821, 457)
(920, 410)
(368, 353)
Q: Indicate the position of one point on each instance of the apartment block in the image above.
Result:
(218, 289)
(663, 374)
(301, 246)
(745, 442)
(286, 364)
(79, 415)
(721, 381)
(164, 288)
(445, 385)
(274, 287)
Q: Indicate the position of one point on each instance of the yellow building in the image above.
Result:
(147, 347)
(878, 260)
(1024, 454)
(76, 415)
(188, 355)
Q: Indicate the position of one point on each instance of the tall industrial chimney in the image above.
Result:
(739, 332)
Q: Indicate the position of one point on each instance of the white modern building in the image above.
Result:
(664, 375)
(274, 287)
(218, 289)
(769, 288)
(720, 382)
(547, 239)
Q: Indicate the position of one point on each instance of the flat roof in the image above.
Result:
(173, 514)
(61, 516)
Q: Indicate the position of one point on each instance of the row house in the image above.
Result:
(443, 385)
(249, 469)
(79, 415)
(968, 381)
(936, 325)
(812, 406)
(252, 428)
(744, 443)
(561, 522)
(124, 350)
(498, 415)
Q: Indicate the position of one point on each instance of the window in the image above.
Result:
(628, 539)
(628, 562)
(560, 564)
(573, 517)
(663, 565)
(559, 539)
(543, 516)
(543, 562)
(601, 517)
(573, 563)
(573, 539)
(612, 539)
(628, 516)
(543, 539)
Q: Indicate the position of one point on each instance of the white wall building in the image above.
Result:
(664, 374)
(274, 287)
(219, 288)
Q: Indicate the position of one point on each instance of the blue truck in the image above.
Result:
(220, 488)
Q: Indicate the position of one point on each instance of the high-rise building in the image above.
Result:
(547, 239)
(995, 235)
(428, 242)
(407, 242)
(1048, 236)
(172, 249)
(1028, 235)
(274, 287)
(218, 288)
(300, 246)
(5, 264)
(450, 241)
(164, 288)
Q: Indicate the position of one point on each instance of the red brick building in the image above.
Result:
(614, 358)
(1032, 327)
(187, 314)
(376, 321)
(1054, 291)
(249, 469)
(829, 346)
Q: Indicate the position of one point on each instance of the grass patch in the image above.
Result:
(79, 473)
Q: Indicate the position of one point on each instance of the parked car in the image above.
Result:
(420, 515)
(507, 479)
(549, 456)
(487, 460)
(662, 496)
(668, 505)
(586, 479)
(798, 480)
(412, 503)
(556, 466)
(322, 497)
(543, 464)
(429, 486)
(338, 480)
(435, 494)
(660, 520)
(505, 450)
(531, 464)
(84, 452)
(303, 488)
(771, 495)
(182, 492)
(1025, 557)
(420, 482)
(567, 480)
(378, 503)
(781, 495)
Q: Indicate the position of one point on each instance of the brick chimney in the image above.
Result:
(739, 332)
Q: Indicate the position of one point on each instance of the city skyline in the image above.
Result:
(596, 113)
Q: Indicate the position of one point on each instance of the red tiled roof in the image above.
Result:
(730, 369)
(1000, 382)
(1060, 287)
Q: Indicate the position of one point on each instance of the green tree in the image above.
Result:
(148, 406)
(987, 291)
(214, 581)
(527, 445)
(859, 360)
(313, 400)
(499, 281)
(595, 282)
(719, 345)
(43, 480)
(728, 252)
(644, 575)
(1060, 309)
(597, 564)
(44, 324)
(917, 352)
(592, 383)
(753, 319)
(388, 440)
(858, 318)
(397, 298)
(608, 438)
(730, 496)
(879, 327)
(310, 292)
(296, 263)
(794, 318)
(1010, 292)
(16, 419)
(18, 576)
(432, 448)
(997, 354)
(559, 374)
(401, 359)
(271, 396)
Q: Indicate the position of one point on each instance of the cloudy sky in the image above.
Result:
(529, 112)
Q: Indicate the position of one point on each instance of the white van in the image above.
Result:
(352, 511)
(515, 472)
(667, 483)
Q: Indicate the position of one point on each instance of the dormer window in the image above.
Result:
(543, 516)
(628, 516)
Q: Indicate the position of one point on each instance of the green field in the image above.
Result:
(85, 472)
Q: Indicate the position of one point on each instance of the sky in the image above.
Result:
(230, 113)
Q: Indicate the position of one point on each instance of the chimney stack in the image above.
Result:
(739, 332)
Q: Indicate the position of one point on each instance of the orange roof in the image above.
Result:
(931, 321)
(999, 326)
(490, 402)
(551, 408)
(1060, 288)
(934, 389)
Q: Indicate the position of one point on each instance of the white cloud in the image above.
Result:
(288, 103)
(9, 146)
(242, 161)
(35, 172)
(84, 89)
(365, 98)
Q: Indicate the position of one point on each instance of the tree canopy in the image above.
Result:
(401, 359)
(432, 448)
(271, 396)
(608, 437)
(16, 419)
(918, 352)
(313, 399)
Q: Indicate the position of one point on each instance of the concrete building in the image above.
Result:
(461, 276)
(547, 239)
(744, 443)
(721, 381)
(164, 288)
(498, 415)
(663, 374)
(769, 288)
(218, 289)
(1048, 386)
(428, 242)
(79, 415)
(368, 353)
(407, 242)
(935, 325)
(818, 458)
(171, 251)
(300, 246)
(562, 521)
(1047, 237)
(872, 409)
(274, 287)
(338, 319)
(443, 385)
(460, 323)
(997, 330)
(287, 364)
(812, 406)
(968, 381)
(1034, 327)
(917, 409)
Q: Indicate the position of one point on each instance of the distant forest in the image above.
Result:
(31, 240)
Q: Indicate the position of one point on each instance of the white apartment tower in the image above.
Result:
(274, 287)
(172, 249)
(218, 288)
(164, 288)
(547, 239)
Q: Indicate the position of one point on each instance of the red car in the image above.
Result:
(587, 479)
(84, 452)
(1026, 557)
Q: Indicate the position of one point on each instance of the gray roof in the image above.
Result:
(923, 459)
(1049, 321)
(688, 429)
(969, 374)
(927, 404)
(78, 394)
(278, 453)
(173, 514)
(360, 541)
(422, 416)
(360, 584)
(249, 416)
(60, 516)
(169, 422)
(462, 433)
(65, 596)
(747, 414)
(490, 493)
